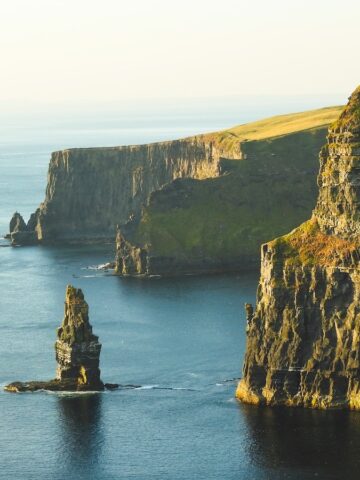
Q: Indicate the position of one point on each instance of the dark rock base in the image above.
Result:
(65, 385)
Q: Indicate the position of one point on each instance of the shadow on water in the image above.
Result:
(82, 438)
(307, 443)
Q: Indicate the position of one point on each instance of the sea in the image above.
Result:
(181, 341)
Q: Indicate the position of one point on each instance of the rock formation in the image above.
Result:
(303, 339)
(17, 223)
(20, 233)
(77, 352)
(77, 348)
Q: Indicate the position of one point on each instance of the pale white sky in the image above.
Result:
(109, 50)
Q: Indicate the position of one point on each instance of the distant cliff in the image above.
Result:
(91, 190)
(234, 187)
(218, 224)
(303, 337)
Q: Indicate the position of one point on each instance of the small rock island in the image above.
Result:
(77, 352)
(303, 338)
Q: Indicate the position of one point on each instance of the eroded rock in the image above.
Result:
(19, 232)
(17, 223)
(77, 348)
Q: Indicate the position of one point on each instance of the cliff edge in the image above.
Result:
(303, 337)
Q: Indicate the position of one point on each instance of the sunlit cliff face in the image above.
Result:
(303, 339)
(338, 206)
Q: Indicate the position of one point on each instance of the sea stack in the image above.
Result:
(303, 339)
(19, 232)
(77, 352)
(77, 348)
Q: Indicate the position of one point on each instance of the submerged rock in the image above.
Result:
(303, 341)
(77, 352)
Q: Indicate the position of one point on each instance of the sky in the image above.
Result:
(73, 51)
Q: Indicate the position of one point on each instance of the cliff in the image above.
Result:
(91, 190)
(303, 337)
(218, 224)
(77, 352)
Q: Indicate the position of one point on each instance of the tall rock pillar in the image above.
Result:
(77, 348)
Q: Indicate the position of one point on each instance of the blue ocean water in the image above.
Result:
(181, 339)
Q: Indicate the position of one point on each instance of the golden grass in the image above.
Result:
(277, 126)
(308, 245)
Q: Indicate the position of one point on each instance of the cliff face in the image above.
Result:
(303, 340)
(338, 206)
(218, 224)
(90, 191)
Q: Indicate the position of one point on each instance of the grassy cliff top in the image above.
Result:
(276, 126)
(260, 130)
(350, 116)
(307, 245)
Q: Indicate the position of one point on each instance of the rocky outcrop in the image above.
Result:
(130, 259)
(17, 223)
(91, 190)
(77, 352)
(303, 339)
(20, 233)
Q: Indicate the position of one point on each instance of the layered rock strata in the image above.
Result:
(303, 339)
(77, 352)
